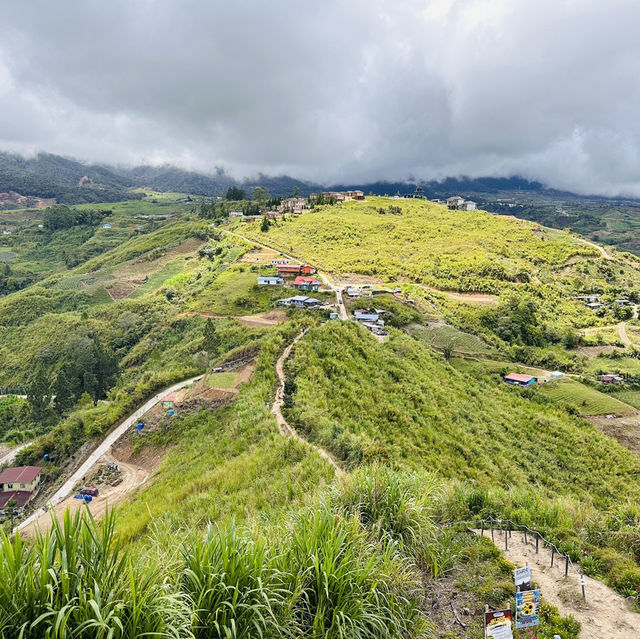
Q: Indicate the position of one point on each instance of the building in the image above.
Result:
(467, 205)
(236, 213)
(21, 483)
(306, 283)
(610, 378)
(623, 302)
(555, 375)
(169, 401)
(363, 315)
(271, 280)
(307, 270)
(288, 270)
(279, 261)
(454, 202)
(106, 226)
(520, 380)
(353, 195)
(293, 205)
(300, 300)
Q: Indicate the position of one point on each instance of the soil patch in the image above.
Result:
(259, 256)
(626, 430)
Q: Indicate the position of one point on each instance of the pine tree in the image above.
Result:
(265, 224)
(38, 394)
(63, 392)
(211, 339)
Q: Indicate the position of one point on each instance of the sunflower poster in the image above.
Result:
(527, 607)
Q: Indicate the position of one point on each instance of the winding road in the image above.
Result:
(103, 448)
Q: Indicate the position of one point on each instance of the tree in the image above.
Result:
(39, 394)
(296, 191)
(211, 339)
(260, 194)
(64, 398)
(264, 227)
(235, 193)
(11, 511)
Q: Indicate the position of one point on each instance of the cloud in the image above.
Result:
(332, 91)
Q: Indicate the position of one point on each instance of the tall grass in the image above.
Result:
(76, 581)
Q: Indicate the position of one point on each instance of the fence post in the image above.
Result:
(537, 541)
(506, 539)
(553, 554)
(525, 536)
(482, 527)
(566, 566)
(492, 537)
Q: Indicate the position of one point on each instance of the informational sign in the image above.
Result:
(527, 608)
(497, 624)
(522, 578)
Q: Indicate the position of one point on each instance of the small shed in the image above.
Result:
(169, 401)
(518, 379)
(555, 375)
(307, 270)
(611, 378)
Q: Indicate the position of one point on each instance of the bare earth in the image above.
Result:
(135, 472)
(604, 615)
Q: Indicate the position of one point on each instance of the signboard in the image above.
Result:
(497, 624)
(522, 578)
(527, 608)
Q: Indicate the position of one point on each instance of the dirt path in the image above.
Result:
(468, 298)
(9, 456)
(285, 428)
(102, 449)
(603, 252)
(604, 615)
(133, 476)
(270, 318)
(622, 334)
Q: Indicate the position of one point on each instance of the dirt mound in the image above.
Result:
(271, 318)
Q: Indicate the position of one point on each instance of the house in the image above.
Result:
(594, 305)
(610, 378)
(555, 375)
(21, 483)
(236, 213)
(106, 226)
(520, 380)
(352, 291)
(279, 261)
(306, 283)
(288, 270)
(307, 270)
(623, 302)
(374, 328)
(300, 300)
(271, 280)
(363, 315)
(353, 195)
(454, 202)
(467, 205)
(293, 205)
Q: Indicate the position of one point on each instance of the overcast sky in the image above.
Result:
(336, 90)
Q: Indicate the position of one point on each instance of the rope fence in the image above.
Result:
(507, 526)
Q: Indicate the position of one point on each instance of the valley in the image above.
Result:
(301, 432)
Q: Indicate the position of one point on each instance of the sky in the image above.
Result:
(333, 91)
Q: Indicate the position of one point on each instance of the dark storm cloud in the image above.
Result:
(333, 90)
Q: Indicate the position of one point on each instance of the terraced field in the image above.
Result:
(587, 400)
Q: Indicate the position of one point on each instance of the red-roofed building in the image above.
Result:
(20, 483)
(306, 283)
(288, 270)
(519, 379)
(307, 270)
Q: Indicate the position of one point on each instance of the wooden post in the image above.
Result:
(506, 539)
(537, 542)
(492, 537)
(553, 554)
(566, 566)
(482, 527)
(525, 536)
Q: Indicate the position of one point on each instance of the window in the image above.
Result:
(21, 485)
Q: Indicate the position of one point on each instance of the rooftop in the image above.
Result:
(21, 474)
